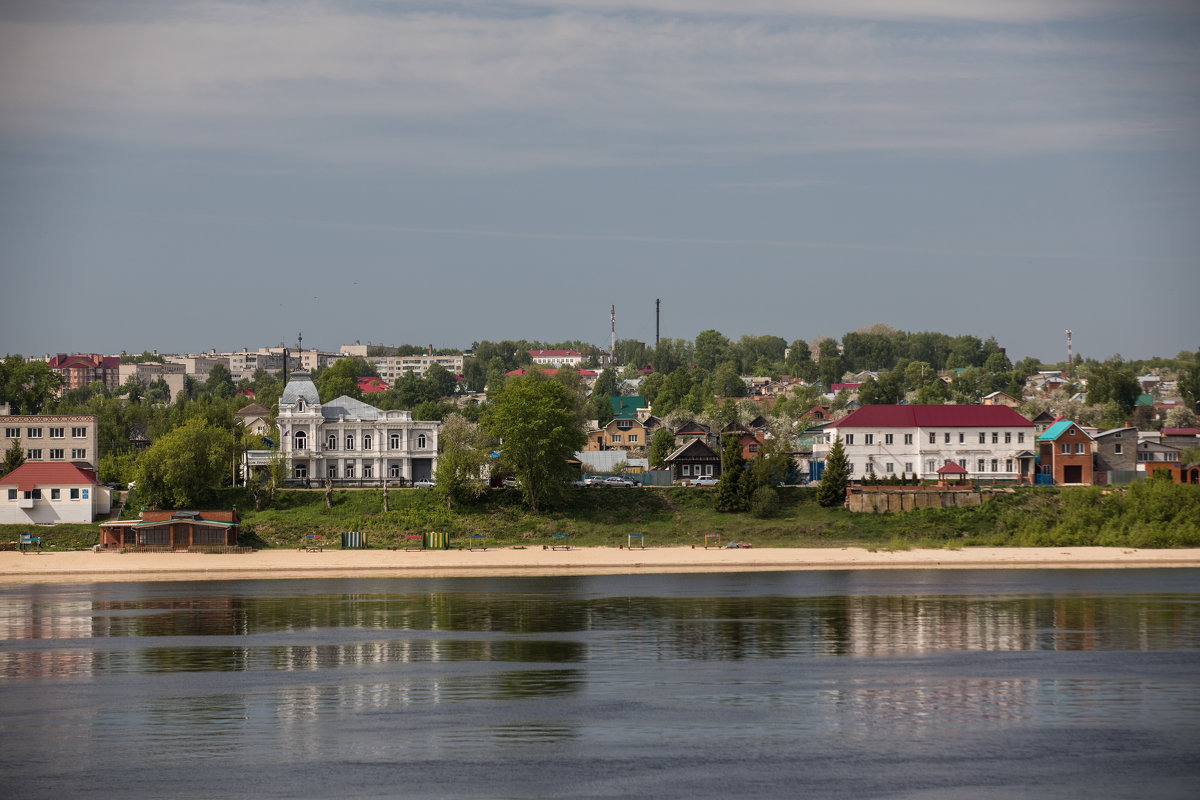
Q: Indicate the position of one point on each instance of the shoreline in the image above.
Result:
(88, 567)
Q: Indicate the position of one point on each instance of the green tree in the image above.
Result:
(1189, 384)
(158, 391)
(277, 475)
(662, 444)
(536, 422)
(14, 457)
(835, 477)
(729, 495)
(463, 447)
(606, 383)
(439, 381)
(27, 386)
(341, 378)
(799, 361)
(727, 382)
(183, 467)
(711, 349)
(1112, 381)
(220, 382)
(829, 365)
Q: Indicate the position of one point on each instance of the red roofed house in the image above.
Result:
(50, 493)
(557, 358)
(990, 442)
(1182, 438)
(371, 384)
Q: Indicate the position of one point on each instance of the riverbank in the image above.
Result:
(76, 567)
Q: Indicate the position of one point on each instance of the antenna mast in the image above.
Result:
(1070, 355)
(612, 350)
(657, 318)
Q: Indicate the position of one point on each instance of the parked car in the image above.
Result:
(511, 483)
(617, 480)
(707, 480)
(429, 484)
(586, 482)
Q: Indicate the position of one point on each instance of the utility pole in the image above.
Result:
(612, 350)
(1070, 355)
(657, 318)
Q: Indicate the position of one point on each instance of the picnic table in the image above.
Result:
(314, 543)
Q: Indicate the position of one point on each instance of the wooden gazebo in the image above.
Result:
(951, 469)
(173, 530)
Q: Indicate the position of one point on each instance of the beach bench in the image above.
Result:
(414, 543)
(712, 541)
(27, 543)
(314, 543)
(477, 542)
(637, 540)
(560, 541)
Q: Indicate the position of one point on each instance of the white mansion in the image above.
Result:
(348, 441)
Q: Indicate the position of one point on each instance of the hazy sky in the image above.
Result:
(194, 175)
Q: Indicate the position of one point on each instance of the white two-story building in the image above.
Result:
(990, 442)
(348, 441)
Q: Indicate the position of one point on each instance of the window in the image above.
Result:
(349, 469)
(36, 494)
(888, 438)
(616, 437)
(931, 466)
(933, 438)
(869, 438)
(331, 471)
(1020, 438)
(78, 433)
(995, 465)
(686, 469)
(34, 433)
(74, 494)
(34, 454)
(995, 437)
(908, 466)
(367, 441)
(980, 466)
(56, 453)
(908, 438)
(624, 424)
(55, 494)
(1079, 448)
(368, 471)
(1008, 437)
(962, 438)
(12, 494)
(349, 441)
(300, 404)
(962, 462)
(300, 471)
(1117, 448)
(871, 467)
(57, 433)
(1008, 465)
(393, 470)
(888, 467)
(708, 469)
(754, 448)
(1066, 448)
(982, 437)
(849, 438)
(300, 442)
(394, 442)
(331, 442)
(947, 437)
(421, 442)
(633, 437)
(12, 433)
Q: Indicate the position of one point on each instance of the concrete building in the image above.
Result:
(84, 369)
(392, 368)
(1115, 454)
(67, 438)
(348, 441)
(989, 442)
(556, 358)
(149, 371)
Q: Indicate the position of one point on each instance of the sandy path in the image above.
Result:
(87, 566)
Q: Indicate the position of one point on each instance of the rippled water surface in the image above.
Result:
(898, 684)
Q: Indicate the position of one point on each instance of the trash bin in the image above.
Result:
(437, 540)
(354, 540)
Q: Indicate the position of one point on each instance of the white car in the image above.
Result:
(616, 480)
(511, 483)
(429, 484)
(707, 480)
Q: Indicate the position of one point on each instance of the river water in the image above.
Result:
(840, 684)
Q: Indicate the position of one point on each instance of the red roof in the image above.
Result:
(371, 384)
(1180, 431)
(551, 371)
(85, 360)
(951, 468)
(933, 417)
(849, 387)
(47, 473)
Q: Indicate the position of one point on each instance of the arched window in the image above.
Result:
(421, 442)
(300, 440)
(300, 404)
(366, 441)
(394, 441)
(331, 442)
(349, 441)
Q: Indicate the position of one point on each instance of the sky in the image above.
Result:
(186, 176)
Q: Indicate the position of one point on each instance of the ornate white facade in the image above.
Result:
(351, 442)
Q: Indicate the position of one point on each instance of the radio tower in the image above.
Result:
(1070, 355)
(612, 349)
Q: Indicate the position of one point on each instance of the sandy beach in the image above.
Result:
(87, 566)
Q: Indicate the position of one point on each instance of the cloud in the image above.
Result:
(655, 82)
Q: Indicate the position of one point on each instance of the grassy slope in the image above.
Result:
(1148, 514)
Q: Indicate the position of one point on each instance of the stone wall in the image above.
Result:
(879, 501)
